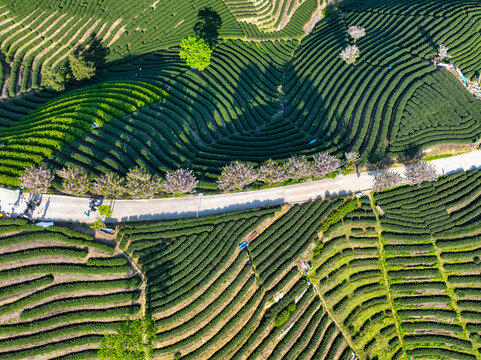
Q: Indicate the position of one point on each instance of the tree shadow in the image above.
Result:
(96, 52)
(412, 155)
(427, 36)
(208, 25)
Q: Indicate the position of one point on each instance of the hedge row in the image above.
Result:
(68, 288)
(55, 305)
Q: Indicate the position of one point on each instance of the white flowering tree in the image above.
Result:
(387, 179)
(140, 184)
(75, 180)
(350, 54)
(36, 179)
(109, 185)
(180, 181)
(420, 171)
(325, 163)
(443, 52)
(356, 32)
(297, 168)
(271, 172)
(352, 158)
(236, 175)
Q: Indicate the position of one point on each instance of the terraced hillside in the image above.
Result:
(270, 16)
(407, 287)
(393, 287)
(431, 237)
(393, 102)
(351, 279)
(65, 118)
(60, 291)
(200, 286)
(36, 35)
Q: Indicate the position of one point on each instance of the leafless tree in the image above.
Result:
(324, 163)
(75, 180)
(180, 181)
(443, 52)
(236, 175)
(140, 184)
(387, 179)
(36, 179)
(109, 185)
(349, 54)
(356, 32)
(419, 172)
(271, 172)
(297, 168)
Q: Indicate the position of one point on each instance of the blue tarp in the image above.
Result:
(243, 245)
(44, 224)
(108, 231)
(312, 141)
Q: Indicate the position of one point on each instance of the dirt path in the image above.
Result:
(218, 292)
(385, 278)
(25, 29)
(116, 36)
(4, 31)
(111, 28)
(300, 331)
(233, 331)
(69, 42)
(186, 302)
(47, 49)
(299, 312)
(84, 37)
(467, 202)
(207, 319)
(454, 299)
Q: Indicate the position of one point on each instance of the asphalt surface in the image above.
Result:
(71, 209)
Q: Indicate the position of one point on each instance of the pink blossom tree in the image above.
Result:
(36, 179)
(140, 184)
(356, 32)
(350, 54)
(298, 167)
(110, 185)
(419, 172)
(387, 179)
(236, 175)
(271, 172)
(75, 180)
(180, 181)
(325, 163)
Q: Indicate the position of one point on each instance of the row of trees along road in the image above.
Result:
(140, 184)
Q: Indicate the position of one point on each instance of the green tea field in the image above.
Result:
(256, 100)
(403, 285)
(240, 180)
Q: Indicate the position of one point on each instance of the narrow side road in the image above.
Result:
(71, 209)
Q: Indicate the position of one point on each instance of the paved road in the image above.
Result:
(67, 208)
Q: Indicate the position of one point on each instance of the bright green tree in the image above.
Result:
(196, 52)
(80, 68)
(54, 79)
(105, 210)
(97, 224)
(133, 341)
